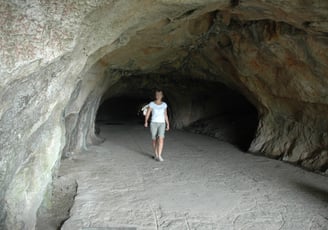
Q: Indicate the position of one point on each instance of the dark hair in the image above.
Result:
(159, 90)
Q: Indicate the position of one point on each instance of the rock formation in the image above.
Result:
(59, 60)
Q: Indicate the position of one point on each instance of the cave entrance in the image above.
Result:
(199, 106)
(120, 110)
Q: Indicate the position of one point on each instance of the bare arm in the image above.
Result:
(147, 116)
(167, 121)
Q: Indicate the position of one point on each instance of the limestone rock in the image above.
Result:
(57, 60)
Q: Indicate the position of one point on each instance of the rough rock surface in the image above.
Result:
(55, 208)
(58, 58)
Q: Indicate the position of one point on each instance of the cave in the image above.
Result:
(194, 105)
(246, 87)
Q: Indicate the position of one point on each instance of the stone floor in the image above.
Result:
(202, 184)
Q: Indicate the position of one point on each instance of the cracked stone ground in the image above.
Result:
(202, 184)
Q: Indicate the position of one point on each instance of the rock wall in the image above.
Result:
(285, 72)
(58, 58)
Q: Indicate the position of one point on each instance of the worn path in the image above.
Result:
(202, 184)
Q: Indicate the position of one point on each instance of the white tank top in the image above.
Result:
(158, 112)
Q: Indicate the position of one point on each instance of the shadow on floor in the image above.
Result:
(319, 193)
(149, 155)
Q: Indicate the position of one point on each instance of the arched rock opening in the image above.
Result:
(196, 105)
(59, 58)
(120, 110)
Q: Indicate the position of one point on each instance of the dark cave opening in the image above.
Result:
(121, 110)
(198, 106)
(236, 127)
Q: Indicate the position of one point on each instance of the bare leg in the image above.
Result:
(155, 147)
(160, 143)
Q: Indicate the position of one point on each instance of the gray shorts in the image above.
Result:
(157, 129)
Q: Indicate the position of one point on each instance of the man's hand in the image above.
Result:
(146, 124)
(167, 127)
